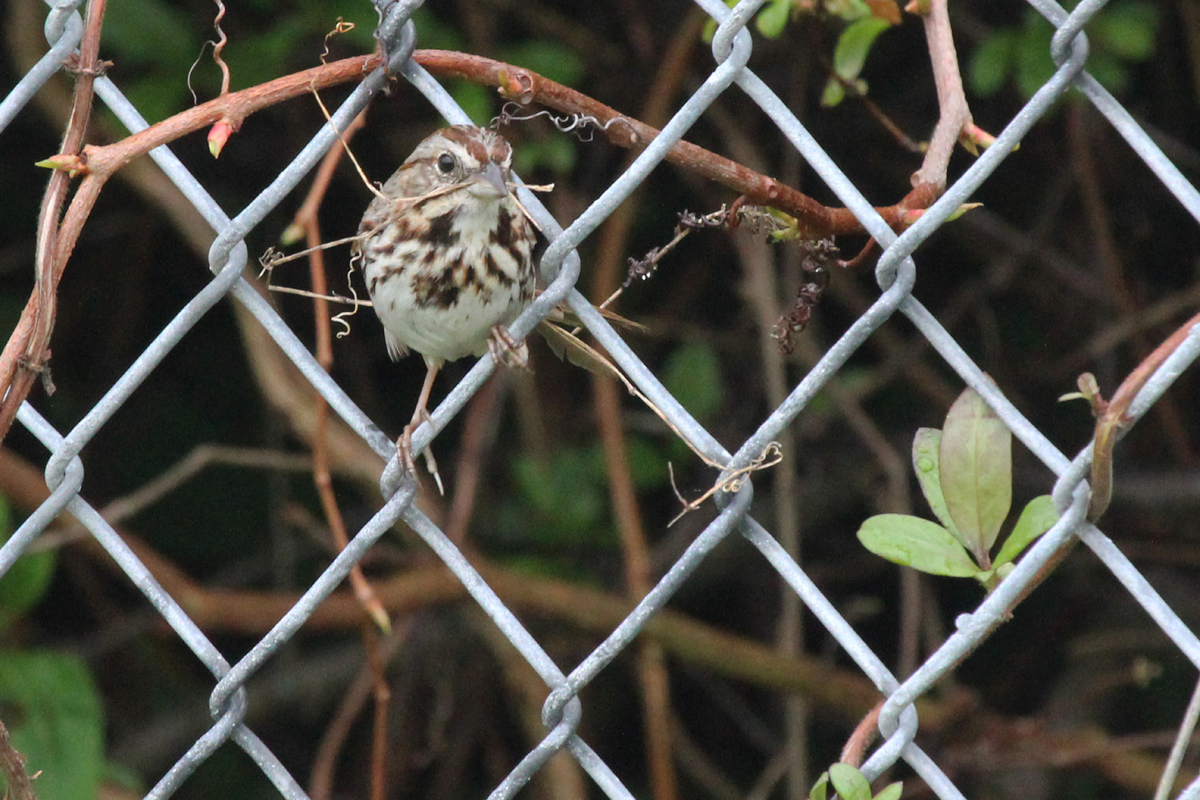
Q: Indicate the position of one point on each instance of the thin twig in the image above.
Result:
(320, 782)
(219, 45)
(478, 433)
(306, 218)
(769, 457)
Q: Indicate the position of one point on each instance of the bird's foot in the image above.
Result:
(506, 350)
(408, 458)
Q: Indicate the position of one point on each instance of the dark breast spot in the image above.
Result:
(493, 271)
(503, 233)
(441, 230)
(435, 291)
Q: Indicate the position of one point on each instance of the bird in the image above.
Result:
(446, 252)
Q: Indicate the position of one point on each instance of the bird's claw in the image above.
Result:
(408, 458)
(506, 350)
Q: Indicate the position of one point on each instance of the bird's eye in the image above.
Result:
(446, 163)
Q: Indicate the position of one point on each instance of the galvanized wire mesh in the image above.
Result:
(560, 265)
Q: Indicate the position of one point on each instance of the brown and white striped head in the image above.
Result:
(477, 158)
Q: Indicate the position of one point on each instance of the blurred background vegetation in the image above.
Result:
(1079, 260)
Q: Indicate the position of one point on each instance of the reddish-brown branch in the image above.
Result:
(27, 352)
(306, 218)
(100, 162)
(818, 220)
(954, 116)
(1114, 416)
(855, 749)
(478, 426)
(814, 220)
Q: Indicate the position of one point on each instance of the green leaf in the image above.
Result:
(52, 711)
(891, 792)
(925, 463)
(848, 10)
(1126, 30)
(773, 18)
(849, 782)
(820, 790)
(24, 584)
(992, 62)
(917, 543)
(1036, 518)
(975, 458)
(833, 93)
(852, 47)
(693, 375)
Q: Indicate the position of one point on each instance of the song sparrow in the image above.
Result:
(446, 254)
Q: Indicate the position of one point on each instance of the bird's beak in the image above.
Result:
(489, 182)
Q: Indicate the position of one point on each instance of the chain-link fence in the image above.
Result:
(896, 273)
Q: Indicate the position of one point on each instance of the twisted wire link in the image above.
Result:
(897, 277)
(64, 28)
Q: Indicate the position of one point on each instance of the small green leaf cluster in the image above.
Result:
(1121, 34)
(965, 473)
(850, 784)
(866, 20)
(849, 56)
